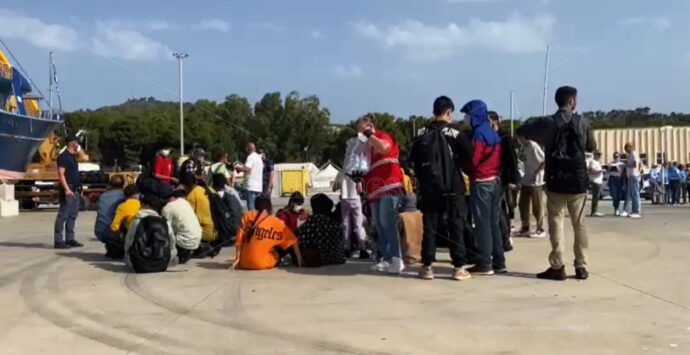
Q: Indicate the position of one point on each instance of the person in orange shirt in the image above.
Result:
(262, 239)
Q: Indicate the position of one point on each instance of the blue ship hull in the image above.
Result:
(20, 137)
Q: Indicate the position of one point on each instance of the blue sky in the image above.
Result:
(360, 55)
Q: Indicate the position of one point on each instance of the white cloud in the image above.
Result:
(158, 25)
(661, 24)
(316, 34)
(37, 32)
(347, 71)
(267, 26)
(212, 24)
(420, 41)
(127, 44)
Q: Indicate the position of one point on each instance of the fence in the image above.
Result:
(653, 142)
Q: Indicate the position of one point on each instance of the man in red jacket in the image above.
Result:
(163, 167)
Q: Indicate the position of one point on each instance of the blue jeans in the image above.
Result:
(485, 200)
(251, 200)
(616, 191)
(66, 218)
(633, 195)
(385, 214)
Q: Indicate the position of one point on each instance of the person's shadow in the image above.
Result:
(98, 260)
(25, 245)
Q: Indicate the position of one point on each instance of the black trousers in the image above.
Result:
(452, 213)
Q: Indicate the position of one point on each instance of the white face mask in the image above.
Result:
(165, 152)
(297, 208)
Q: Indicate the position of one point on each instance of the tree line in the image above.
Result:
(290, 128)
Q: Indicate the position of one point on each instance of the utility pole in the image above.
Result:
(512, 123)
(546, 79)
(50, 85)
(180, 57)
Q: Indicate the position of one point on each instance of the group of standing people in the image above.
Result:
(670, 184)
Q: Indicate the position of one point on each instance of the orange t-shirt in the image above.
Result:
(258, 253)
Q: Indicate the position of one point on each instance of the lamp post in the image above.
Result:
(180, 57)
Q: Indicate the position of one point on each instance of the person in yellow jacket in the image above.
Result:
(126, 211)
(198, 199)
(407, 182)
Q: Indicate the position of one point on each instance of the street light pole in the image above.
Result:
(180, 57)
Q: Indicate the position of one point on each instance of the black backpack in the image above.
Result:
(433, 164)
(566, 167)
(226, 214)
(150, 251)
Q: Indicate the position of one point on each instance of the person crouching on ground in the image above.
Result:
(184, 222)
(319, 237)
(293, 215)
(107, 205)
(262, 239)
(150, 205)
(126, 211)
(198, 199)
(384, 186)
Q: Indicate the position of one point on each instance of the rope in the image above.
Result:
(21, 68)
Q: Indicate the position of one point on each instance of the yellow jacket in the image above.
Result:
(202, 208)
(124, 214)
(407, 182)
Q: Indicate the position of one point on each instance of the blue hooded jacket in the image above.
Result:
(486, 143)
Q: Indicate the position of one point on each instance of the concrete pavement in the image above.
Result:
(637, 300)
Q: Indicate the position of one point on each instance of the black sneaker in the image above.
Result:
(60, 246)
(500, 270)
(74, 244)
(553, 274)
(481, 270)
(581, 273)
(364, 255)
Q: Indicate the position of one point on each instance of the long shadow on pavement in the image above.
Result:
(98, 260)
(26, 245)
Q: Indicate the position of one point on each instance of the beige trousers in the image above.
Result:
(555, 205)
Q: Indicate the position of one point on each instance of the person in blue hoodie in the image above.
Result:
(485, 189)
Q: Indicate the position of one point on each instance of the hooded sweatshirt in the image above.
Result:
(485, 141)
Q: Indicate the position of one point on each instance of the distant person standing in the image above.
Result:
(632, 167)
(654, 177)
(70, 199)
(268, 174)
(253, 169)
(350, 200)
(674, 183)
(596, 179)
(684, 184)
(532, 188)
(616, 178)
(566, 137)
(163, 167)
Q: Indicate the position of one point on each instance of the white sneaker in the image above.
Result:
(635, 216)
(617, 213)
(599, 214)
(538, 234)
(380, 267)
(623, 214)
(396, 266)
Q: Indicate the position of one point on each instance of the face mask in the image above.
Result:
(297, 208)
(165, 152)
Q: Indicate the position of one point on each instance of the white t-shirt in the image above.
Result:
(633, 164)
(184, 222)
(534, 156)
(595, 178)
(255, 178)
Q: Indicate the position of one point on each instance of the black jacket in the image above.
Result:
(509, 166)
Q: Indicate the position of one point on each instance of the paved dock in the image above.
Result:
(637, 300)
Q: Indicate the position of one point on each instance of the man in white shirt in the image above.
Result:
(179, 213)
(632, 167)
(253, 169)
(531, 191)
(596, 178)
